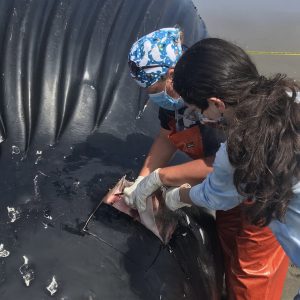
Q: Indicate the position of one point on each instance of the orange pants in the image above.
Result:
(255, 263)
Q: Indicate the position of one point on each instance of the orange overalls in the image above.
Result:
(255, 263)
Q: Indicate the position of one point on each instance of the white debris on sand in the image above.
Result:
(13, 214)
(47, 215)
(15, 150)
(45, 225)
(26, 272)
(3, 252)
(53, 286)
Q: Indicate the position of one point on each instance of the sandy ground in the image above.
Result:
(268, 25)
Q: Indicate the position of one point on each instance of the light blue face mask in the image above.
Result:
(165, 101)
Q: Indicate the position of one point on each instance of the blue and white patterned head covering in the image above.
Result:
(161, 48)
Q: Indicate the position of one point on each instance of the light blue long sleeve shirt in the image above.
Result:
(218, 192)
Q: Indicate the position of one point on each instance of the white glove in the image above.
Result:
(172, 198)
(137, 196)
(129, 190)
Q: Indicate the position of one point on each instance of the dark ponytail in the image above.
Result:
(264, 147)
(263, 135)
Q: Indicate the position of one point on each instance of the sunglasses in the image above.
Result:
(184, 47)
(135, 69)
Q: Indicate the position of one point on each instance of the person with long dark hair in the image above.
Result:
(255, 184)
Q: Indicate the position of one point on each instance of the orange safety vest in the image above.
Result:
(189, 141)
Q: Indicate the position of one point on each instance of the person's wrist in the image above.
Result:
(183, 193)
(184, 188)
(139, 178)
(158, 181)
(162, 176)
(172, 198)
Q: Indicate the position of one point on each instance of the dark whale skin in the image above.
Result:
(72, 122)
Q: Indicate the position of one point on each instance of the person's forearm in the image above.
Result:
(159, 155)
(192, 172)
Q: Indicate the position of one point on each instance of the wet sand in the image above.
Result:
(269, 25)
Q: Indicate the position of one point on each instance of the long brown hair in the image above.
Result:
(263, 136)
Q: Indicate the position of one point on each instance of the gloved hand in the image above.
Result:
(129, 190)
(136, 196)
(172, 197)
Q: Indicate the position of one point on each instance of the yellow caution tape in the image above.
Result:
(285, 53)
